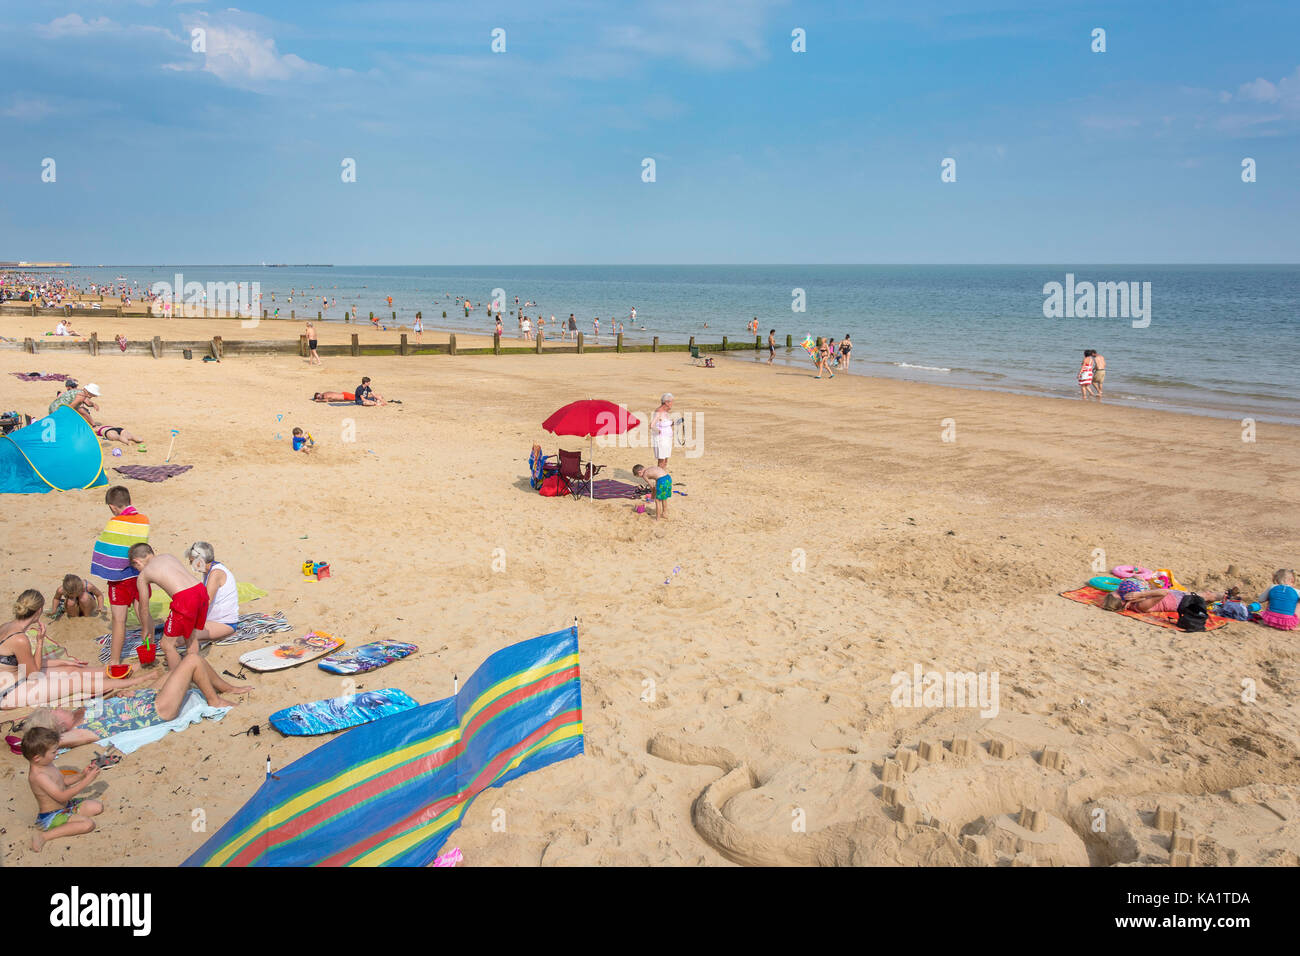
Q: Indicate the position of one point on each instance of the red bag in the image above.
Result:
(553, 487)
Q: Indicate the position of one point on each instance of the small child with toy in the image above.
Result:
(302, 441)
(59, 812)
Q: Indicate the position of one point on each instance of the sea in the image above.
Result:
(1216, 340)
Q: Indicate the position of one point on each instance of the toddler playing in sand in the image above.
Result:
(59, 813)
(303, 442)
(77, 597)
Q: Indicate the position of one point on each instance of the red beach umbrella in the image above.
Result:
(588, 418)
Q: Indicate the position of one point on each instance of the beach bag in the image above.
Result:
(1193, 615)
(553, 487)
(1235, 610)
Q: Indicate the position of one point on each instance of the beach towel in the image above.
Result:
(340, 404)
(134, 722)
(605, 488)
(1094, 596)
(154, 473)
(108, 560)
(38, 377)
(250, 626)
(160, 603)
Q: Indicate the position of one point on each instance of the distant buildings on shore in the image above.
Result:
(34, 265)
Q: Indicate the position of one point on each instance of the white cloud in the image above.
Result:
(245, 57)
(26, 108)
(72, 25)
(713, 37)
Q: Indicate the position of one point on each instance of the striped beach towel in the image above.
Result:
(250, 626)
(122, 531)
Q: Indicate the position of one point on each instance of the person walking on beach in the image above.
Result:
(595, 329)
(498, 325)
(311, 344)
(771, 346)
(824, 360)
(1085, 375)
(846, 350)
(418, 329)
(573, 326)
(1098, 372)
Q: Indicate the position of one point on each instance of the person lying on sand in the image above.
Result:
(118, 434)
(1155, 599)
(334, 397)
(135, 708)
(189, 613)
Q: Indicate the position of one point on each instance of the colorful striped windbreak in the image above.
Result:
(389, 793)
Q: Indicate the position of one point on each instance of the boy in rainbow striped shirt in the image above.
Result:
(110, 562)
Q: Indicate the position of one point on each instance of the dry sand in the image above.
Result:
(830, 538)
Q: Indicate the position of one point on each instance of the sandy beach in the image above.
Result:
(737, 657)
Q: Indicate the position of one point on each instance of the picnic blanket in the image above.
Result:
(160, 603)
(38, 377)
(154, 473)
(605, 488)
(250, 626)
(1090, 595)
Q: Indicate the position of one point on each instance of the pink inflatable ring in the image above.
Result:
(1132, 571)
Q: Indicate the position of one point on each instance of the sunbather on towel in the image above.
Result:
(137, 708)
(334, 397)
(1156, 599)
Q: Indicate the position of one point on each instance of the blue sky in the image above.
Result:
(763, 155)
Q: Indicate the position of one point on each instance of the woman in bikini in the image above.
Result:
(28, 679)
(118, 434)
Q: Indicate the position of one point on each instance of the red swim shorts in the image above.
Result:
(124, 593)
(189, 612)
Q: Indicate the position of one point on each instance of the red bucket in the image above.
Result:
(146, 653)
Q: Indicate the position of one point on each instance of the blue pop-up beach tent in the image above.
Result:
(56, 453)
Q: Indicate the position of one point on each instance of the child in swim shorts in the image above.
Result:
(59, 812)
(661, 483)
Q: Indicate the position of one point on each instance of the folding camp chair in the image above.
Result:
(578, 475)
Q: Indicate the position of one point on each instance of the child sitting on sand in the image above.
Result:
(662, 483)
(1280, 602)
(77, 597)
(58, 813)
(302, 442)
